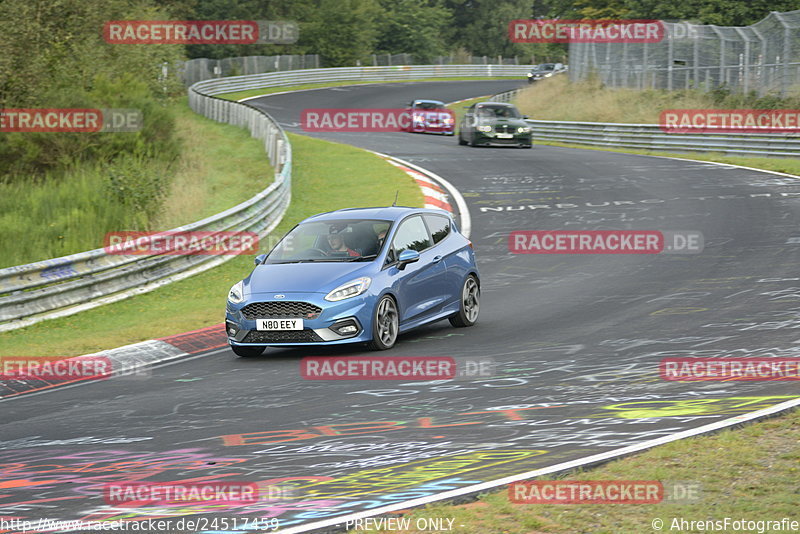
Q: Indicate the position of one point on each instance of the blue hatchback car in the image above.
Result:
(356, 276)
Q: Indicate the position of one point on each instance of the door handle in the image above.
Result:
(436, 259)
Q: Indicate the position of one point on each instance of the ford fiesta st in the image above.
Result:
(355, 276)
(431, 116)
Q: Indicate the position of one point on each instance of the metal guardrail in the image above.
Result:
(62, 286)
(356, 74)
(652, 137)
(69, 284)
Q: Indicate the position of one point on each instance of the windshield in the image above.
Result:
(336, 240)
(502, 112)
(428, 105)
(546, 67)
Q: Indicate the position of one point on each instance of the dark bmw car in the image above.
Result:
(494, 124)
(355, 276)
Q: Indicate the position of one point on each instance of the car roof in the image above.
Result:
(390, 213)
(421, 101)
(489, 102)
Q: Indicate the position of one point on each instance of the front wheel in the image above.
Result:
(247, 352)
(461, 141)
(385, 324)
(470, 304)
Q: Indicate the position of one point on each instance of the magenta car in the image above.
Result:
(431, 116)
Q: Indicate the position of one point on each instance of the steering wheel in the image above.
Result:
(319, 251)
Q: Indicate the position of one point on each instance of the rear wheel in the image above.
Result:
(247, 352)
(470, 304)
(385, 324)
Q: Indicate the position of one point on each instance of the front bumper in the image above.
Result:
(322, 329)
(485, 139)
(446, 129)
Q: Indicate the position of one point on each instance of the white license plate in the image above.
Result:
(505, 136)
(279, 324)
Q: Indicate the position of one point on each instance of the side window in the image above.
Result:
(411, 234)
(439, 227)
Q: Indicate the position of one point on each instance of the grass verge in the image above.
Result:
(219, 167)
(238, 95)
(749, 473)
(326, 176)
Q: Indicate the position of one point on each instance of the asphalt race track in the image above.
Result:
(575, 342)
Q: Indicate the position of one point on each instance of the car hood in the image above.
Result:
(319, 277)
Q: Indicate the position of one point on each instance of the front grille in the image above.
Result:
(289, 309)
(285, 336)
(503, 128)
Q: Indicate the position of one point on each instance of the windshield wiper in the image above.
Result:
(296, 261)
(360, 258)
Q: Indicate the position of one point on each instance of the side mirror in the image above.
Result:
(260, 259)
(406, 257)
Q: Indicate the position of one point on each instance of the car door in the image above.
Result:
(440, 229)
(419, 287)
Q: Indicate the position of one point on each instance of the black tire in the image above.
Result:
(385, 324)
(247, 352)
(470, 304)
(461, 141)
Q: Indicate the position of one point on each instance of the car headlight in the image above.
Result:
(419, 118)
(523, 129)
(350, 289)
(485, 128)
(530, 75)
(236, 294)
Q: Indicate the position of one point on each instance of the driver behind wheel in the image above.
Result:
(337, 244)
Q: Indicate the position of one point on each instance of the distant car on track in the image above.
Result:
(545, 70)
(355, 275)
(494, 124)
(431, 116)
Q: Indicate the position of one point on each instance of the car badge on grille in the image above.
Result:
(279, 296)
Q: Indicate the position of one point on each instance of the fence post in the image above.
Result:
(787, 52)
(645, 64)
(696, 59)
(670, 57)
(722, 41)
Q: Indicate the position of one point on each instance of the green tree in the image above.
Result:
(719, 12)
(481, 26)
(414, 27)
(342, 31)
